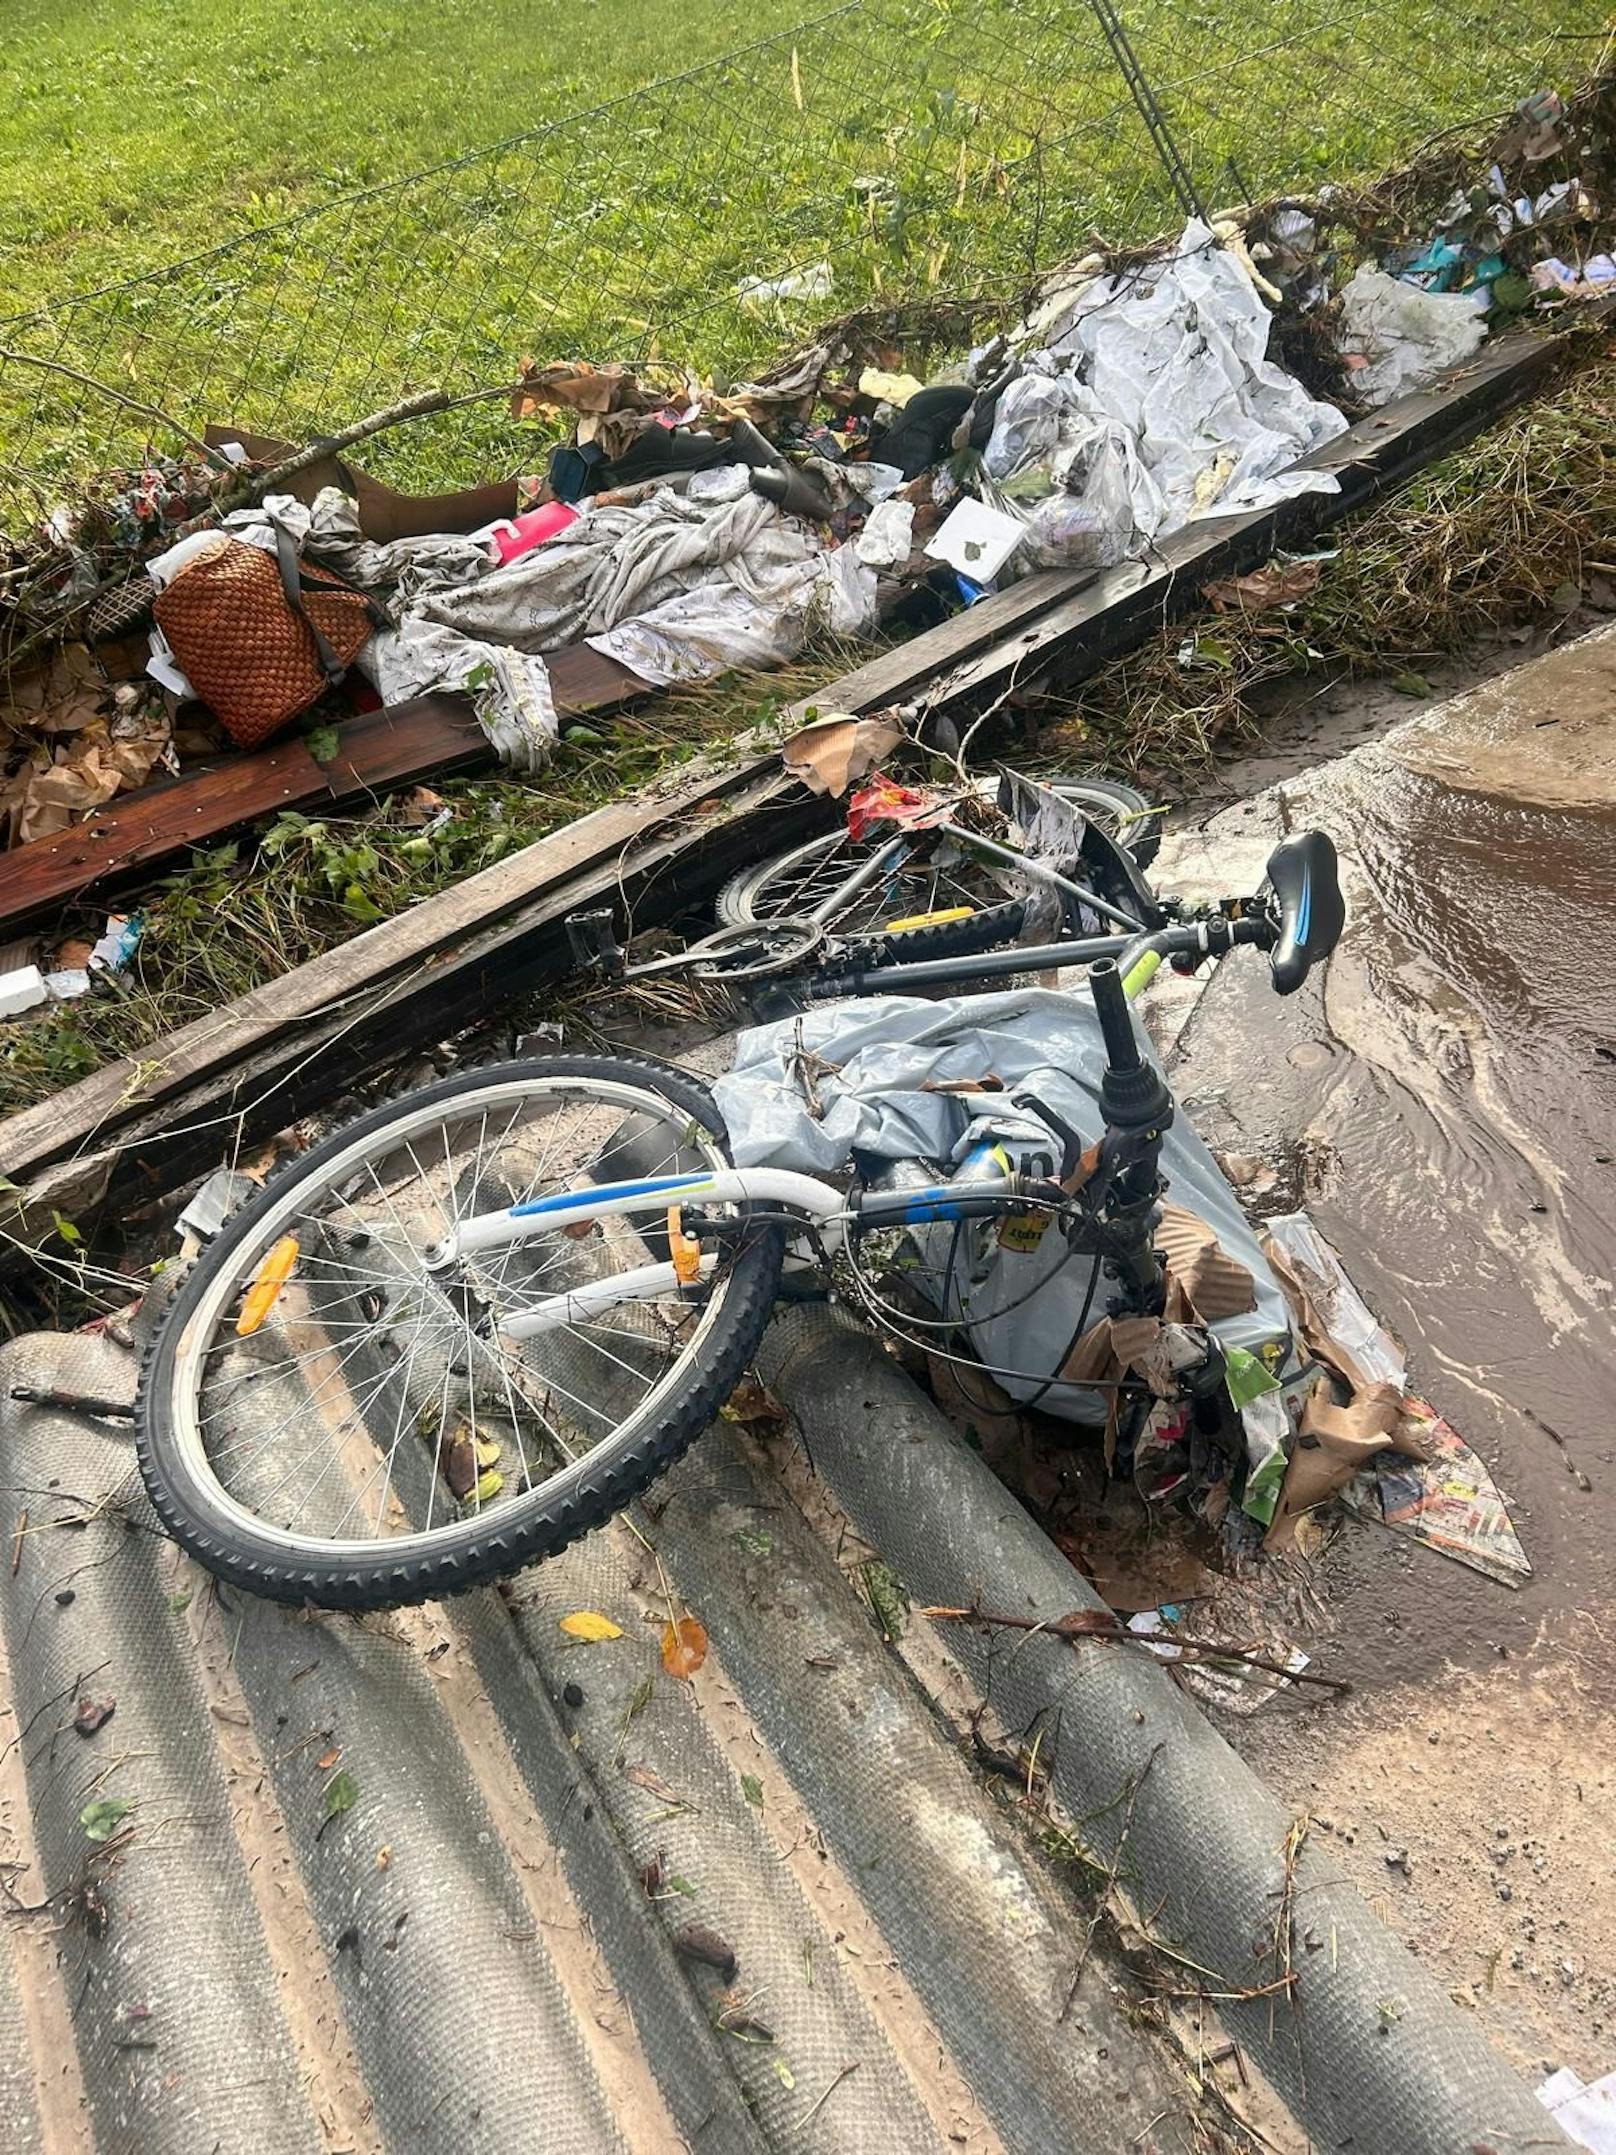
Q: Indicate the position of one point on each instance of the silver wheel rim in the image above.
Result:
(816, 854)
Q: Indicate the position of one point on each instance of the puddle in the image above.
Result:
(1448, 1103)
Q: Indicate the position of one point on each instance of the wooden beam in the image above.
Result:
(434, 736)
(410, 943)
(184, 1116)
(377, 750)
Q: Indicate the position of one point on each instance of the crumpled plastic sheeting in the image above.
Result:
(772, 596)
(1177, 353)
(873, 1060)
(510, 689)
(1404, 336)
(614, 563)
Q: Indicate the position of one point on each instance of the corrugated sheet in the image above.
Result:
(444, 1880)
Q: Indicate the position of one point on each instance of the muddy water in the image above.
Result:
(1446, 1104)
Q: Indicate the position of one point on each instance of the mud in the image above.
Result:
(1444, 1103)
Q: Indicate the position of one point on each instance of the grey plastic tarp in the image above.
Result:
(871, 1063)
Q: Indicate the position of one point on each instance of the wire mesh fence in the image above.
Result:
(880, 153)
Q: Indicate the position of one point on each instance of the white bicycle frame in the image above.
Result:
(819, 1202)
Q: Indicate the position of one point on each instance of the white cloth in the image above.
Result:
(673, 588)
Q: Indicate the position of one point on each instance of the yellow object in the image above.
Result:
(589, 1624)
(894, 389)
(683, 1249)
(929, 920)
(1141, 973)
(1023, 1231)
(268, 1281)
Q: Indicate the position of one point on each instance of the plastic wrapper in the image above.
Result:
(1401, 337)
(1061, 466)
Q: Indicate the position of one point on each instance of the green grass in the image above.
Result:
(922, 147)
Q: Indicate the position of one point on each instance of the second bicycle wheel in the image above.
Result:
(323, 1417)
(819, 880)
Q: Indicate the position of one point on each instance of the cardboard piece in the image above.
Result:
(384, 514)
(828, 755)
(1333, 1445)
(1203, 1282)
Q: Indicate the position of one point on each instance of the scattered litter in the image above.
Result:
(117, 943)
(22, 989)
(976, 539)
(1176, 352)
(888, 535)
(1341, 1312)
(1587, 2112)
(1280, 584)
(1591, 279)
(889, 388)
(225, 1191)
(1449, 1501)
(91, 1714)
(1388, 1453)
(1235, 1687)
(829, 754)
(817, 281)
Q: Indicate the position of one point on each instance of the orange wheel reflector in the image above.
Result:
(268, 1281)
(683, 1249)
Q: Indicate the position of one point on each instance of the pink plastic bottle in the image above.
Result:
(521, 534)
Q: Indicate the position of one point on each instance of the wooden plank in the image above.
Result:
(1074, 637)
(415, 937)
(377, 750)
(432, 736)
(145, 1151)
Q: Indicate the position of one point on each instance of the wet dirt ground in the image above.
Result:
(1444, 1104)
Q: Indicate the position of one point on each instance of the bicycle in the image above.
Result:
(478, 1321)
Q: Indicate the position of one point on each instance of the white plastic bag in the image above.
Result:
(1404, 337)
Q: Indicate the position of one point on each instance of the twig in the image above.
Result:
(1110, 1885)
(134, 404)
(1093, 1624)
(17, 1540)
(415, 407)
(35, 1395)
(846, 2073)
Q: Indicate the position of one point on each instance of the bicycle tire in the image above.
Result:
(736, 903)
(470, 1551)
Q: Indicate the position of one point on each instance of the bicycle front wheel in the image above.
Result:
(323, 1417)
